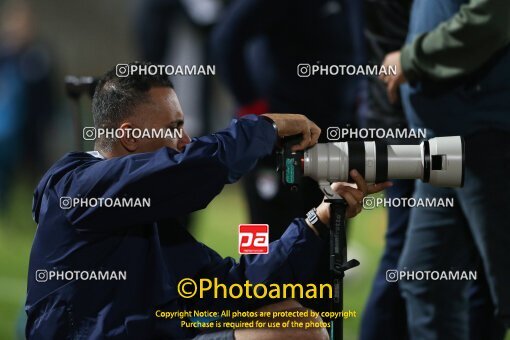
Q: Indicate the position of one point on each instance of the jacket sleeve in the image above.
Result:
(176, 183)
(297, 257)
(460, 45)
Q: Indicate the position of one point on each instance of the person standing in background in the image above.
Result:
(454, 76)
(384, 316)
(386, 24)
(26, 95)
(158, 27)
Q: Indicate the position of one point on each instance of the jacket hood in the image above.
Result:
(63, 166)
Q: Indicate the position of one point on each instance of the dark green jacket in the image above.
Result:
(461, 44)
(457, 61)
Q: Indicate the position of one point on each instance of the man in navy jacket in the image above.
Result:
(179, 176)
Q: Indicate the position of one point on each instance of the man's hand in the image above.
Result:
(353, 195)
(393, 82)
(293, 124)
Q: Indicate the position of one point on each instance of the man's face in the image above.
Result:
(162, 111)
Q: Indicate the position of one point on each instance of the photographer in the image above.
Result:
(179, 176)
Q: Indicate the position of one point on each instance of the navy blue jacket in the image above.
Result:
(148, 243)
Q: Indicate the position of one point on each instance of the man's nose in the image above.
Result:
(184, 141)
(186, 138)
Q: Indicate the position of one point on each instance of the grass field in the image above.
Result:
(16, 234)
(216, 226)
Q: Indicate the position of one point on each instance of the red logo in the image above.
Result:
(253, 239)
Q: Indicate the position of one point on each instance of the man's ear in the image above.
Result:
(127, 140)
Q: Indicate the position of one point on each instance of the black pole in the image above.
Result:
(75, 88)
(338, 263)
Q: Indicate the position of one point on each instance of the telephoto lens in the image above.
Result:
(438, 161)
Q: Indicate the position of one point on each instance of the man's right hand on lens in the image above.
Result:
(293, 124)
(353, 194)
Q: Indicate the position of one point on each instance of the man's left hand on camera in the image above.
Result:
(289, 124)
